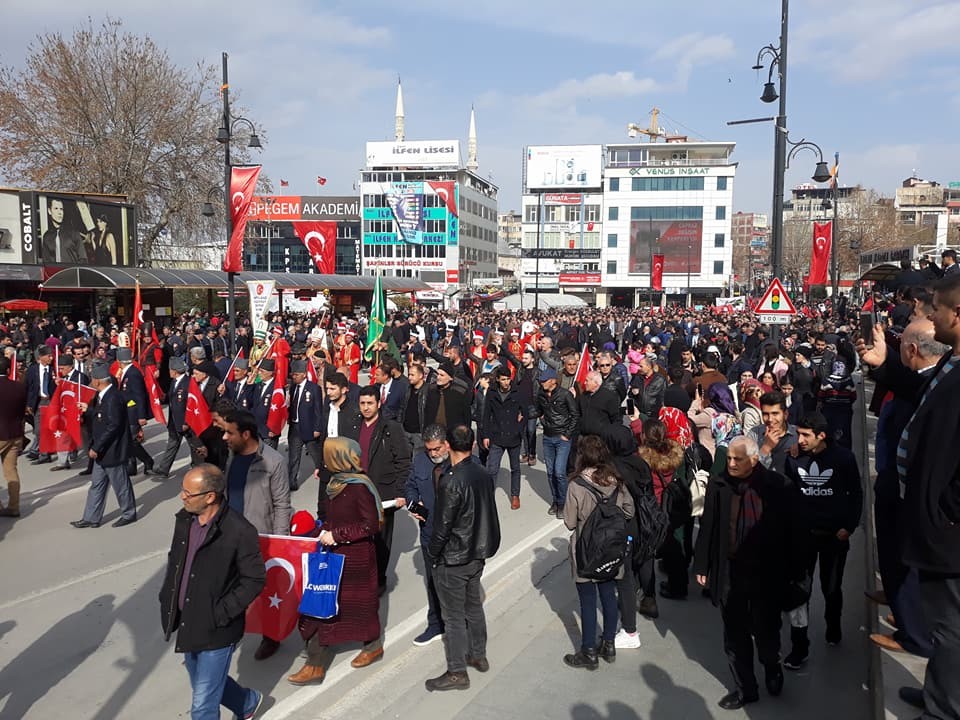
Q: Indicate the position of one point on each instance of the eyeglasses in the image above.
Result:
(184, 493)
(606, 365)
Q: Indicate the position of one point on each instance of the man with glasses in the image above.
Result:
(609, 378)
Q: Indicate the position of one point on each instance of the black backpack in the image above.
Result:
(602, 540)
(677, 501)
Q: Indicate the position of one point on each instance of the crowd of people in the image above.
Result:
(715, 448)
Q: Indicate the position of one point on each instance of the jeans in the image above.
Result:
(528, 435)
(555, 453)
(461, 603)
(587, 591)
(434, 615)
(213, 686)
(493, 466)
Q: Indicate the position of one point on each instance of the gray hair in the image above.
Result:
(434, 433)
(750, 446)
(212, 478)
(595, 376)
(929, 347)
(198, 352)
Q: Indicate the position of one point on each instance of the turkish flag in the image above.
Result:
(243, 181)
(584, 366)
(60, 420)
(312, 372)
(153, 391)
(822, 240)
(447, 191)
(137, 319)
(656, 276)
(275, 612)
(277, 417)
(320, 239)
(198, 414)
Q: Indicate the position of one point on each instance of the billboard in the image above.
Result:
(288, 208)
(77, 231)
(563, 167)
(418, 213)
(18, 226)
(414, 153)
(679, 241)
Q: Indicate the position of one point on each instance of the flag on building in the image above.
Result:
(656, 275)
(198, 414)
(820, 257)
(320, 239)
(378, 317)
(321, 180)
(284, 183)
(275, 611)
(243, 182)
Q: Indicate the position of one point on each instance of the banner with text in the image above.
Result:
(260, 293)
(678, 241)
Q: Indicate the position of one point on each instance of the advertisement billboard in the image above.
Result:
(679, 241)
(418, 213)
(18, 239)
(76, 231)
(414, 153)
(340, 208)
(563, 167)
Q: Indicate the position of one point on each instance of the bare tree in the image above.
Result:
(107, 111)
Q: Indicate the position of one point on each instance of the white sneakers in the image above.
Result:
(626, 641)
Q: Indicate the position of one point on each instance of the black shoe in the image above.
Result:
(31, 456)
(42, 460)
(85, 472)
(55, 468)
(479, 664)
(670, 594)
(552, 510)
(157, 474)
(912, 696)
(607, 651)
(736, 700)
(648, 608)
(125, 521)
(448, 681)
(833, 636)
(795, 660)
(559, 512)
(774, 680)
(583, 659)
(80, 524)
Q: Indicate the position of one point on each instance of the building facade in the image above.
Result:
(751, 250)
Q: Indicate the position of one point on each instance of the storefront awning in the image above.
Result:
(880, 273)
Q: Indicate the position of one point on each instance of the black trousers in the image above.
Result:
(383, 543)
(139, 453)
(434, 614)
(750, 616)
(461, 601)
(295, 447)
(675, 562)
(941, 685)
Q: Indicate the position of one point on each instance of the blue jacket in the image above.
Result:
(134, 392)
(420, 489)
(33, 385)
(310, 413)
(177, 405)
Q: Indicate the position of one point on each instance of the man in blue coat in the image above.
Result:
(304, 418)
(176, 418)
(110, 448)
(240, 389)
(133, 389)
(262, 398)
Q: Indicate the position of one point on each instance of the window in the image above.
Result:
(688, 212)
(721, 212)
(612, 240)
(592, 212)
(553, 213)
(719, 239)
(531, 213)
(666, 183)
(611, 267)
(718, 267)
(722, 183)
(614, 184)
(573, 213)
(613, 213)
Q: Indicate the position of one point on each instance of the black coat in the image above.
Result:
(388, 459)
(226, 576)
(243, 395)
(598, 409)
(348, 421)
(13, 399)
(466, 526)
(456, 404)
(558, 412)
(111, 438)
(503, 419)
(261, 406)
(177, 404)
(649, 396)
(134, 392)
(33, 385)
(310, 411)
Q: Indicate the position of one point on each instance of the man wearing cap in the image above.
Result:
(209, 446)
(176, 418)
(133, 390)
(948, 262)
(67, 373)
(560, 416)
(447, 401)
(351, 357)
(259, 349)
(261, 410)
(305, 418)
(241, 388)
(197, 341)
(110, 448)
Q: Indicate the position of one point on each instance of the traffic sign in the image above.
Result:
(775, 306)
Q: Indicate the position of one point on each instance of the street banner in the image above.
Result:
(275, 612)
(320, 239)
(656, 277)
(820, 259)
(243, 182)
(260, 293)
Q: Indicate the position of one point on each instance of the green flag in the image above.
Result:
(378, 318)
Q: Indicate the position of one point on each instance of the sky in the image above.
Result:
(874, 80)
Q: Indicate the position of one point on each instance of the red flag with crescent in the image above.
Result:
(447, 192)
(243, 182)
(584, 366)
(820, 259)
(198, 414)
(275, 612)
(320, 239)
(60, 420)
(656, 275)
(137, 319)
(153, 392)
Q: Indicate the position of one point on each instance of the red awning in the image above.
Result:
(24, 305)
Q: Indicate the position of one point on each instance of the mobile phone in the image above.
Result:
(631, 406)
(866, 326)
(418, 508)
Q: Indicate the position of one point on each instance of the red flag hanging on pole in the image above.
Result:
(656, 275)
(277, 417)
(137, 319)
(312, 371)
(243, 181)
(275, 612)
(320, 239)
(153, 391)
(12, 374)
(584, 366)
(822, 240)
(198, 414)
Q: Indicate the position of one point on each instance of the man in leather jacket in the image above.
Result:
(560, 417)
(466, 531)
(648, 388)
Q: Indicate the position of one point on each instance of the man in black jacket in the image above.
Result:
(648, 388)
(560, 417)
(829, 480)
(385, 458)
(448, 403)
(466, 531)
(304, 430)
(176, 418)
(750, 553)
(413, 407)
(133, 389)
(599, 406)
(40, 385)
(110, 448)
(501, 428)
(214, 572)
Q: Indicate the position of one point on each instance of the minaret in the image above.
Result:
(398, 126)
(472, 143)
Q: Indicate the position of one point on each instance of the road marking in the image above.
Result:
(398, 633)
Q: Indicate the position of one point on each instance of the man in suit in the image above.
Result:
(40, 385)
(110, 449)
(61, 244)
(176, 418)
(133, 389)
(392, 390)
(209, 446)
(385, 458)
(13, 403)
(304, 416)
(261, 408)
(241, 390)
(340, 418)
(69, 374)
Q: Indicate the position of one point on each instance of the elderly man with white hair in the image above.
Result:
(750, 555)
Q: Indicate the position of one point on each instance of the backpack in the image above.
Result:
(698, 478)
(676, 500)
(602, 540)
(654, 526)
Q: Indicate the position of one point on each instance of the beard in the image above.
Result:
(439, 460)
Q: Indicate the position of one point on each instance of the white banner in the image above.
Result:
(419, 153)
(260, 293)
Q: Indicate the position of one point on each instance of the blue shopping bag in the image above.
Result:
(321, 584)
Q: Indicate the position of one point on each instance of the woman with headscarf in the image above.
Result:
(704, 410)
(354, 517)
(750, 392)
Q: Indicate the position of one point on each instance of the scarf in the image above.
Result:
(342, 457)
(747, 512)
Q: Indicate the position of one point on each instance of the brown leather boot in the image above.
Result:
(366, 657)
(307, 675)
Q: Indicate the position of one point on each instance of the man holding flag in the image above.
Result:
(69, 376)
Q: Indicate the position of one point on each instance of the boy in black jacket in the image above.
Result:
(829, 480)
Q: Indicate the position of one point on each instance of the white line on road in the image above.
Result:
(397, 633)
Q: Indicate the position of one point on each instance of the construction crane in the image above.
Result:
(653, 132)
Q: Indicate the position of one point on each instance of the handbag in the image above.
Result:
(322, 571)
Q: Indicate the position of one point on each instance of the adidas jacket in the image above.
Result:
(830, 485)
